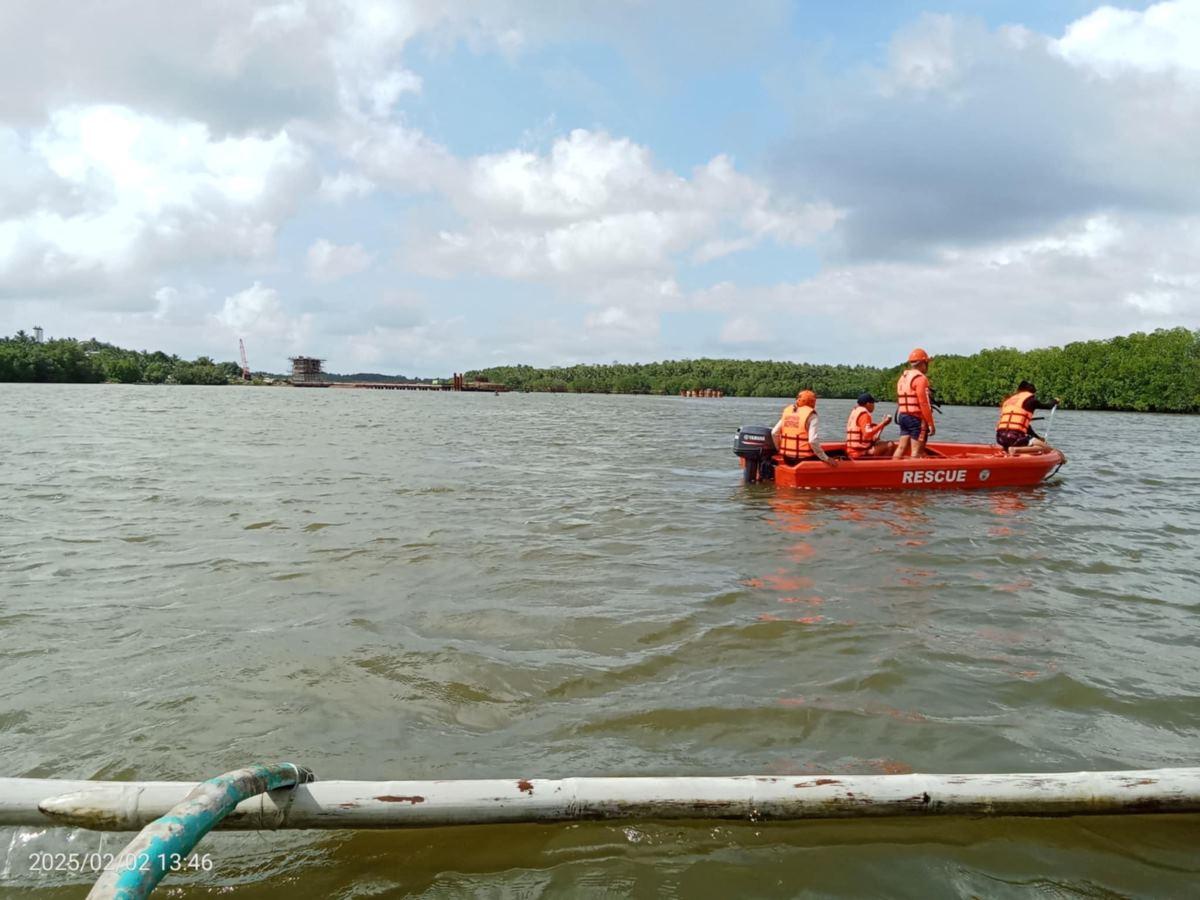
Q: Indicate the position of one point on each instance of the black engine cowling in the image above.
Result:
(756, 448)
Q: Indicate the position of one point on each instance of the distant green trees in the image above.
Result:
(1157, 372)
(745, 378)
(67, 360)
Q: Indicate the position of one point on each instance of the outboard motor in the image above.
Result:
(756, 448)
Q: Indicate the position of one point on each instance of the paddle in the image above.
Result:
(1049, 422)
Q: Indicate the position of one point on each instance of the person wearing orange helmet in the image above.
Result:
(796, 433)
(915, 408)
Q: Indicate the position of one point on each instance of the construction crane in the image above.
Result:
(245, 365)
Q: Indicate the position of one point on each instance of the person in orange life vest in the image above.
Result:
(916, 410)
(1014, 430)
(796, 433)
(862, 434)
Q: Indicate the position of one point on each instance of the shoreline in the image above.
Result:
(384, 385)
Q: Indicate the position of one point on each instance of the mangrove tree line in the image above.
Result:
(1157, 372)
(24, 359)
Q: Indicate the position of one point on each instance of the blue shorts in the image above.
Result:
(911, 426)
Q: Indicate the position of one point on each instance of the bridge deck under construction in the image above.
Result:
(391, 385)
(420, 386)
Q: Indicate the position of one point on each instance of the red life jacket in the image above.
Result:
(909, 389)
(857, 442)
(793, 436)
(1013, 414)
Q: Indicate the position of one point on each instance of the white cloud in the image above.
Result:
(26, 181)
(345, 186)
(393, 154)
(1087, 279)
(328, 262)
(595, 204)
(179, 304)
(233, 65)
(1161, 37)
(1094, 236)
(585, 174)
(366, 49)
(430, 346)
(974, 136)
(144, 192)
(925, 56)
(743, 330)
(257, 308)
(620, 242)
(1153, 303)
(638, 325)
(257, 311)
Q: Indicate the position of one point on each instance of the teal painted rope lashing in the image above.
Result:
(166, 841)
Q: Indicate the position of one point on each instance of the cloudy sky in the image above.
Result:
(421, 186)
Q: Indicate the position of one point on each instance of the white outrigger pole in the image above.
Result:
(128, 806)
(286, 796)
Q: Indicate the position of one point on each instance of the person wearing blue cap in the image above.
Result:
(862, 434)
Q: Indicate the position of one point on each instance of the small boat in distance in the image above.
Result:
(949, 466)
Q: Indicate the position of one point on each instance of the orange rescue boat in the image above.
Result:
(949, 466)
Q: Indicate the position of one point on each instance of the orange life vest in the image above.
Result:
(793, 436)
(908, 392)
(1013, 414)
(857, 442)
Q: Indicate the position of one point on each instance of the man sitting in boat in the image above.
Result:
(1014, 430)
(796, 433)
(916, 409)
(862, 433)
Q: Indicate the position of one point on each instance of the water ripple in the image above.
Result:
(581, 586)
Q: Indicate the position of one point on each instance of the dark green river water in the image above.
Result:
(383, 585)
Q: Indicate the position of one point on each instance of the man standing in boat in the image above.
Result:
(1014, 431)
(796, 433)
(862, 434)
(915, 416)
